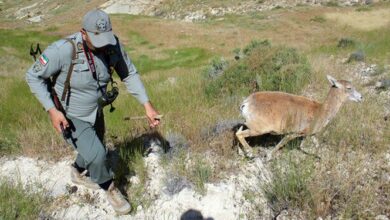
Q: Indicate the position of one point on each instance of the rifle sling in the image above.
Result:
(67, 81)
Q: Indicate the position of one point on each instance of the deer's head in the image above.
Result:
(346, 89)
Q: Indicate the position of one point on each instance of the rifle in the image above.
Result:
(50, 82)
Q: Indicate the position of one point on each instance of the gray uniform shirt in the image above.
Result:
(84, 91)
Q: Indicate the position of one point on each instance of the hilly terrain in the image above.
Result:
(199, 60)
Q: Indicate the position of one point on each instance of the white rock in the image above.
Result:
(35, 19)
(224, 200)
(381, 217)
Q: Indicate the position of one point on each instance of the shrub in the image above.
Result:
(255, 44)
(289, 188)
(332, 4)
(216, 67)
(346, 42)
(264, 68)
(357, 56)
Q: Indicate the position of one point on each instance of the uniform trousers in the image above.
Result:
(87, 139)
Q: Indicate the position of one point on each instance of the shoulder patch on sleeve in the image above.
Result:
(43, 60)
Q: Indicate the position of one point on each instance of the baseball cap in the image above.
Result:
(97, 24)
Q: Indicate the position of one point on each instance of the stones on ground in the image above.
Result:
(195, 16)
(381, 217)
(174, 184)
(357, 56)
(71, 189)
(383, 84)
(36, 19)
(199, 11)
(146, 7)
(370, 70)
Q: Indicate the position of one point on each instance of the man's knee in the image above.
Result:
(100, 158)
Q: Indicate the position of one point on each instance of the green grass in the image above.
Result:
(19, 203)
(16, 43)
(24, 124)
(14, 114)
(182, 57)
(137, 39)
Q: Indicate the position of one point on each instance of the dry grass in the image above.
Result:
(348, 182)
(364, 20)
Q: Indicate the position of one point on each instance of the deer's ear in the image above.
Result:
(333, 81)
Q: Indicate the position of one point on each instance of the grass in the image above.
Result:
(16, 43)
(266, 67)
(16, 202)
(201, 174)
(319, 19)
(36, 138)
(375, 44)
(346, 183)
(183, 57)
(289, 189)
(128, 161)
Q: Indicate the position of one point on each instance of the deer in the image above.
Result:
(280, 113)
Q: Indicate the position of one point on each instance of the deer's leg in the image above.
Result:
(241, 135)
(281, 144)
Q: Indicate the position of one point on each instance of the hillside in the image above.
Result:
(199, 60)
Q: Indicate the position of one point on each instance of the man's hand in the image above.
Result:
(152, 115)
(57, 118)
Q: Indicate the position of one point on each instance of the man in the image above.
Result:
(87, 56)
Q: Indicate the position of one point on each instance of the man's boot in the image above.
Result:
(117, 200)
(81, 178)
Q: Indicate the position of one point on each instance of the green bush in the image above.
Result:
(216, 67)
(265, 68)
(17, 203)
(254, 44)
(346, 42)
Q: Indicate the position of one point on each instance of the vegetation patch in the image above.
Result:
(346, 42)
(18, 42)
(17, 202)
(25, 126)
(202, 172)
(127, 160)
(185, 57)
(319, 19)
(137, 39)
(264, 67)
(362, 20)
(289, 189)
